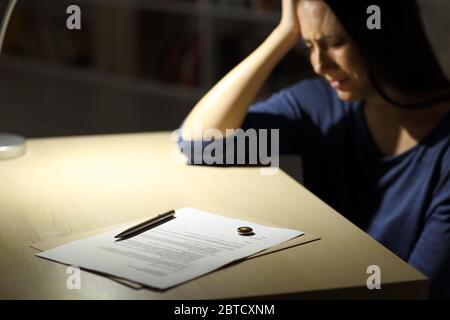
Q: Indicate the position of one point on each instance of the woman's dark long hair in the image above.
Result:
(399, 54)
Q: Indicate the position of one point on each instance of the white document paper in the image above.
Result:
(192, 244)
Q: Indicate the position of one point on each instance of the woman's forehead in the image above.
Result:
(317, 20)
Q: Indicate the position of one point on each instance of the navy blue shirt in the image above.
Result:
(402, 201)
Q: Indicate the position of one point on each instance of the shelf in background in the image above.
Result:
(138, 85)
(54, 103)
(201, 9)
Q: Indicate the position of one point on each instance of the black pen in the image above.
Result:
(146, 224)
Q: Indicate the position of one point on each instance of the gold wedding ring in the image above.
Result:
(244, 230)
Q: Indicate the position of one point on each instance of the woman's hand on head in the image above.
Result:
(289, 18)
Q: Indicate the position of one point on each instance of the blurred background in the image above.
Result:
(140, 65)
(136, 65)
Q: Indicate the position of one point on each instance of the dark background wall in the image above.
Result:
(134, 65)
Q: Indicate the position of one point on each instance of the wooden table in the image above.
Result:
(68, 185)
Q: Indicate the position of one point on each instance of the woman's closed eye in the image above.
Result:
(334, 41)
(326, 44)
(336, 44)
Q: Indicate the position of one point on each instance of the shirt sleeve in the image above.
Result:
(431, 254)
(289, 112)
